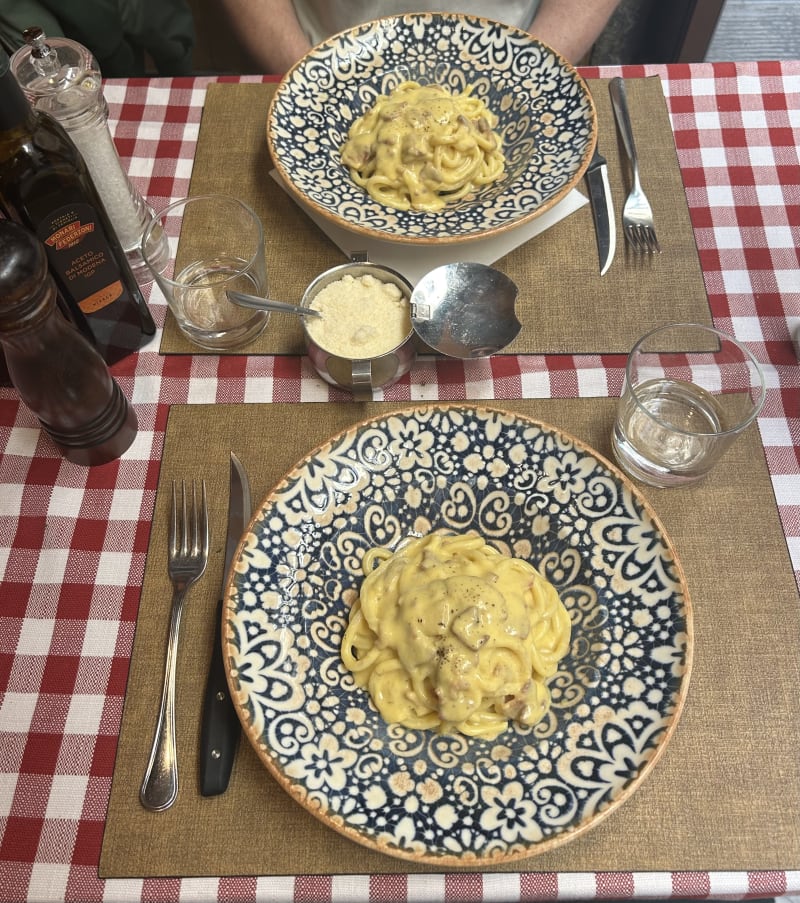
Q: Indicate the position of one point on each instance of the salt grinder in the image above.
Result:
(61, 77)
(56, 371)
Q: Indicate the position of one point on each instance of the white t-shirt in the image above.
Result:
(322, 18)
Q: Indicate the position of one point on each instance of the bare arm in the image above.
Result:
(269, 31)
(572, 26)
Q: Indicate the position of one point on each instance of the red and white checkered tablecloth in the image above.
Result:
(73, 541)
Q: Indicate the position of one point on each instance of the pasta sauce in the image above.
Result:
(420, 147)
(450, 634)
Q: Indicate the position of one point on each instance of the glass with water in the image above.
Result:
(681, 408)
(221, 248)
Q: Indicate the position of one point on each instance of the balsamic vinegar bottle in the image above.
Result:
(46, 186)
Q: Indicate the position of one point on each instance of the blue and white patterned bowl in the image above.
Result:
(547, 119)
(533, 492)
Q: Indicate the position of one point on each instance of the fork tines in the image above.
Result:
(642, 239)
(188, 535)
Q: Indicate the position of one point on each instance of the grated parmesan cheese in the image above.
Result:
(362, 317)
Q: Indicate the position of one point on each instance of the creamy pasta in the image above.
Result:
(450, 634)
(420, 147)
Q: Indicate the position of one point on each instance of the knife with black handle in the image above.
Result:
(602, 210)
(220, 731)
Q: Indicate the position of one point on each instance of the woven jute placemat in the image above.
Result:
(564, 305)
(724, 795)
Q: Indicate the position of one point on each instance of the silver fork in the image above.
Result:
(637, 215)
(187, 558)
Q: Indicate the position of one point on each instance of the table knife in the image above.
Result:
(602, 210)
(219, 735)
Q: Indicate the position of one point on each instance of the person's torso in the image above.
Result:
(322, 18)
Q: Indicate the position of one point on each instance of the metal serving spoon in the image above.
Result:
(465, 310)
(255, 303)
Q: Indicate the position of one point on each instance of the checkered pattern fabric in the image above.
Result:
(73, 540)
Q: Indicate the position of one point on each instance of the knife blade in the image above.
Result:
(219, 734)
(602, 210)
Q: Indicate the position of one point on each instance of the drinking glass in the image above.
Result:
(681, 410)
(221, 247)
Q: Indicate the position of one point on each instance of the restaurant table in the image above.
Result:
(74, 541)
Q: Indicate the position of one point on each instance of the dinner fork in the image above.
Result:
(186, 562)
(637, 215)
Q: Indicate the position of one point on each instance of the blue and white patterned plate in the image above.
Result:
(547, 120)
(532, 491)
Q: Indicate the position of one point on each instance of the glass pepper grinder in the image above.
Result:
(61, 78)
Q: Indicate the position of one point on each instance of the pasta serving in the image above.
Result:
(450, 634)
(420, 147)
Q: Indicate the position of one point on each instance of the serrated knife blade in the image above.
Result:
(219, 734)
(602, 210)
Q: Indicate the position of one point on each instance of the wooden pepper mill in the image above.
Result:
(59, 375)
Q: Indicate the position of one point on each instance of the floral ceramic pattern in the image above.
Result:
(547, 120)
(534, 493)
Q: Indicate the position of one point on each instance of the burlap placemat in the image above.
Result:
(565, 307)
(724, 796)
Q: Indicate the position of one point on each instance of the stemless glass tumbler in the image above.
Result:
(221, 248)
(681, 410)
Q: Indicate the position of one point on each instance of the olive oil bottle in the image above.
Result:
(46, 187)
